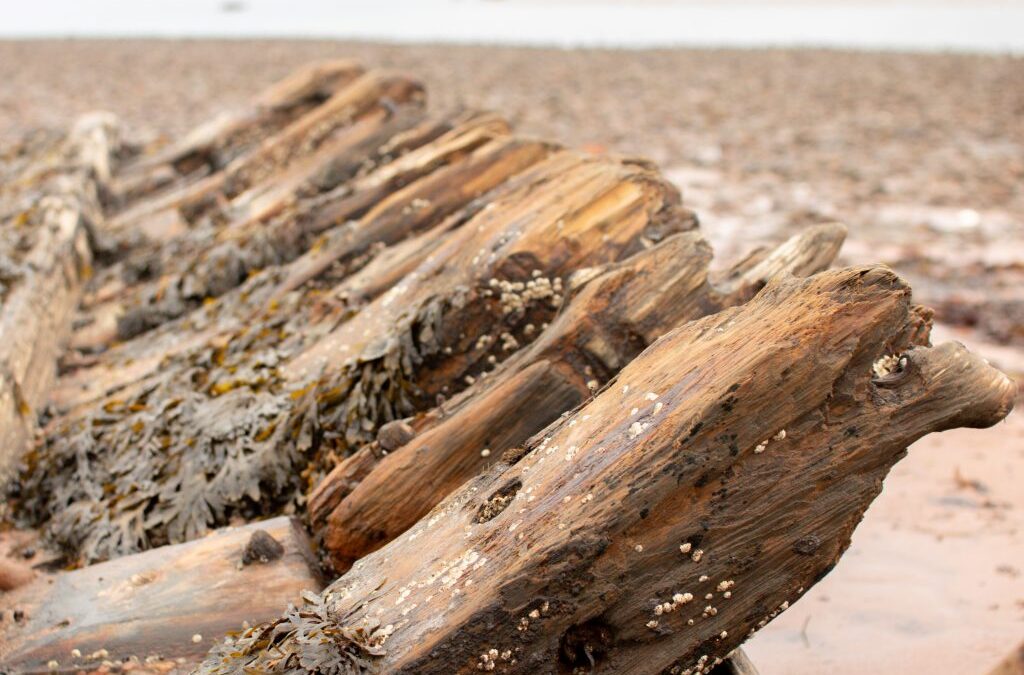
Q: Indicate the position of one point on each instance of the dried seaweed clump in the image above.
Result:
(220, 434)
(220, 267)
(312, 639)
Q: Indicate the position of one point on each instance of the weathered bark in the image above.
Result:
(619, 312)
(61, 205)
(732, 459)
(151, 606)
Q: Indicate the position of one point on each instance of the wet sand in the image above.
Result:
(921, 155)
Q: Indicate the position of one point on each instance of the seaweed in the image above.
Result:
(316, 638)
(221, 433)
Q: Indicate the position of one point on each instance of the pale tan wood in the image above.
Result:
(303, 136)
(213, 144)
(154, 603)
(35, 316)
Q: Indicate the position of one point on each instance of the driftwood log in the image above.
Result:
(148, 609)
(497, 377)
(714, 479)
(49, 204)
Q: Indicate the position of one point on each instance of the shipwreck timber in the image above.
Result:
(526, 425)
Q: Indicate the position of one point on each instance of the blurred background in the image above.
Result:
(903, 120)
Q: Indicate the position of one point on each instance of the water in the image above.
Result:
(916, 26)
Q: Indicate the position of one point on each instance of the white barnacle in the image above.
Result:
(760, 447)
(486, 452)
(659, 610)
(650, 396)
(652, 624)
(697, 555)
(685, 548)
(658, 406)
(592, 385)
(635, 429)
(634, 411)
(682, 598)
(886, 365)
(625, 389)
(779, 436)
(703, 578)
(639, 548)
(197, 638)
(726, 585)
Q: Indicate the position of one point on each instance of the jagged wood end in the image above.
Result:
(614, 312)
(734, 458)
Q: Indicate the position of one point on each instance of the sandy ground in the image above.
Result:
(921, 155)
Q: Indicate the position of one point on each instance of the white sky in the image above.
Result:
(988, 25)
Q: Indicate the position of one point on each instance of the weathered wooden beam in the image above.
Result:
(212, 145)
(241, 425)
(205, 265)
(613, 314)
(433, 189)
(167, 605)
(373, 90)
(220, 139)
(35, 314)
(713, 481)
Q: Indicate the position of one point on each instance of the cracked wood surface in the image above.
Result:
(35, 316)
(153, 604)
(618, 312)
(603, 536)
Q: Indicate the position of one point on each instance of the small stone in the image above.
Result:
(262, 548)
(394, 435)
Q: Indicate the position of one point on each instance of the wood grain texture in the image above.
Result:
(565, 551)
(618, 311)
(210, 146)
(153, 603)
(36, 313)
